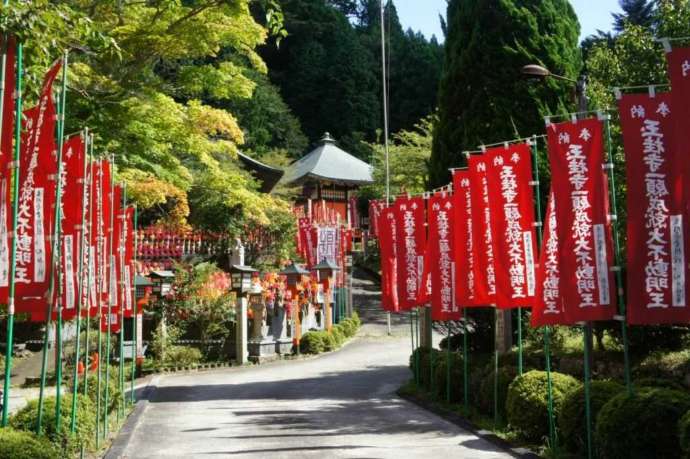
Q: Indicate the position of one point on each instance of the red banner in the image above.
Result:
(375, 208)
(512, 224)
(38, 170)
(127, 283)
(484, 270)
(442, 256)
(679, 74)
(389, 273)
(115, 268)
(576, 155)
(548, 307)
(71, 221)
(465, 256)
(411, 242)
(657, 216)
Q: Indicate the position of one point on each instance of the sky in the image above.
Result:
(422, 15)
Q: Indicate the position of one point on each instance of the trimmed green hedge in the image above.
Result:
(684, 434)
(25, 420)
(641, 425)
(572, 418)
(485, 400)
(316, 341)
(527, 402)
(457, 389)
(18, 444)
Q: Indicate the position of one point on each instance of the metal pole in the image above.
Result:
(519, 324)
(92, 256)
(134, 305)
(384, 86)
(448, 365)
(497, 312)
(80, 287)
(465, 365)
(56, 247)
(109, 286)
(13, 255)
(617, 253)
(419, 348)
(588, 405)
(100, 245)
(121, 255)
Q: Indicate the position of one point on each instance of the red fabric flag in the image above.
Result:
(411, 242)
(679, 74)
(127, 262)
(114, 321)
(512, 224)
(484, 270)
(37, 186)
(375, 208)
(389, 272)
(657, 216)
(71, 219)
(115, 250)
(465, 255)
(548, 307)
(441, 253)
(579, 185)
(6, 156)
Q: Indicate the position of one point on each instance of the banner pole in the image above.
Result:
(448, 365)
(135, 317)
(588, 405)
(547, 330)
(99, 255)
(107, 280)
(416, 363)
(412, 338)
(53, 263)
(80, 289)
(431, 366)
(617, 254)
(122, 300)
(15, 212)
(92, 256)
(465, 365)
(519, 325)
(496, 311)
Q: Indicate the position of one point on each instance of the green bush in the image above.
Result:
(457, 389)
(664, 365)
(330, 341)
(114, 395)
(572, 417)
(339, 335)
(485, 403)
(527, 401)
(684, 434)
(18, 444)
(658, 382)
(313, 342)
(348, 327)
(182, 355)
(356, 320)
(26, 420)
(424, 360)
(641, 425)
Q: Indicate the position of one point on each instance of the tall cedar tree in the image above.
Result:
(483, 97)
(637, 12)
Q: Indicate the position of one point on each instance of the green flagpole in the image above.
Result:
(100, 238)
(121, 248)
(53, 264)
(519, 337)
(496, 312)
(134, 305)
(465, 365)
(547, 331)
(92, 255)
(109, 286)
(448, 365)
(80, 286)
(417, 356)
(13, 255)
(617, 252)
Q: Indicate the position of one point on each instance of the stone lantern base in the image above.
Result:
(262, 350)
(284, 346)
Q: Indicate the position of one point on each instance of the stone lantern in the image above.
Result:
(261, 346)
(294, 274)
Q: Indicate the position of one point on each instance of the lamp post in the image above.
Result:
(241, 284)
(326, 270)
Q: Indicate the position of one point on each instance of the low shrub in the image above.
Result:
(506, 375)
(457, 389)
(26, 420)
(348, 327)
(664, 365)
(114, 395)
(19, 444)
(527, 401)
(356, 320)
(330, 341)
(641, 425)
(571, 421)
(684, 434)
(182, 355)
(424, 354)
(339, 335)
(313, 342)
(658, 382)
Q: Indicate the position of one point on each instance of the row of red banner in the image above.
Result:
(94, 268)
(476, 245)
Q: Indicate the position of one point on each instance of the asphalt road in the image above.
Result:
(339, 405)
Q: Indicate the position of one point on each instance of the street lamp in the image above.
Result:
(542, 73)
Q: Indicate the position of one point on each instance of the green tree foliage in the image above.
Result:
(409, 153)
(482, 96)
(329, 70)
(155, 81)
(636, 12)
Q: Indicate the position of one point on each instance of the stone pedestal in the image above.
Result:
(241, 332)
(279, 331)
(261, 346)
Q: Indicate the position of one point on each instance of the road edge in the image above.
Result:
(520, 453)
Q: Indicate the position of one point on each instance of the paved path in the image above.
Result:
(337, 405)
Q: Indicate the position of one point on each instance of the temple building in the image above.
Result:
(329, 178)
